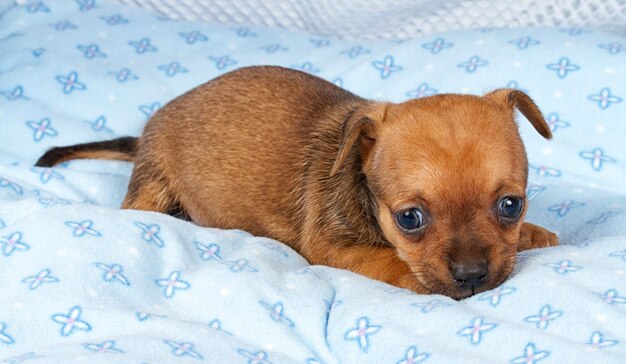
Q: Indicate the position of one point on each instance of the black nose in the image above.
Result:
(470, 275)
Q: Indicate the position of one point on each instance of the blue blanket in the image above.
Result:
(83, 281)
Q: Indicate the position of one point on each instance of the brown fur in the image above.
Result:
(283, 154)
(121, 149)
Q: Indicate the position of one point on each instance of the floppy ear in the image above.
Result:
(511, 98)
(360, 124)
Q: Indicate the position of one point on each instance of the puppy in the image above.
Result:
(427, 195)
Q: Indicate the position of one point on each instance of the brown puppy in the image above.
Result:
(428, 194)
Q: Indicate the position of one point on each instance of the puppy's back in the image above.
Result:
(238, 147)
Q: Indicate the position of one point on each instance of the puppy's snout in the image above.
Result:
(470, 276)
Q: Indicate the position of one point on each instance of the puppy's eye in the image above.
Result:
(510, 207)
(410, 220)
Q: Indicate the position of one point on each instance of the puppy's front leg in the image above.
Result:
(380, 263)
(533, 236)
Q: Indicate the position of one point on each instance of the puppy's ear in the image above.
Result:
(360, 124)
(511, 98)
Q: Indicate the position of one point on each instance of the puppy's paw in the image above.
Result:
(533, 236)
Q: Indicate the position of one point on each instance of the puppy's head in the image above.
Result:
(448, 174)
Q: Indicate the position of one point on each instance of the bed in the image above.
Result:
(83, 281)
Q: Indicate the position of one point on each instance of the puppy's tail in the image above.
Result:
(120, 149)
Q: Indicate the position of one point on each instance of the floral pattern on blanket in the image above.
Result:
(84, 281)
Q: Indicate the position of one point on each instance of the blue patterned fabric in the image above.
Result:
(84, 281)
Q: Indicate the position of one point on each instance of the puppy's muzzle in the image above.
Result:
(470, 276)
